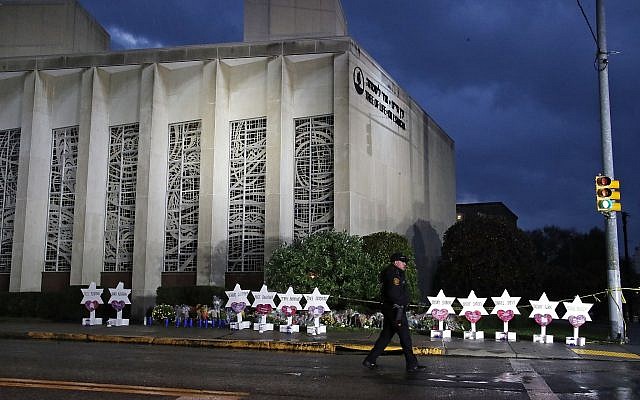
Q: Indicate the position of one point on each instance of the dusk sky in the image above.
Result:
(512, 82)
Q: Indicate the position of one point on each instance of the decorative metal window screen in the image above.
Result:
(314, 175)
(121, 198)
(248, 164)
(62, 198)
(9, 154)
(183, 187)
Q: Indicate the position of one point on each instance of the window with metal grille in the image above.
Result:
(183, 186)
(121, 198)
(62, 197)
(9, 154)
(314, 175)
(247, 192)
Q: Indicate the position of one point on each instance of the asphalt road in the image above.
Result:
(77, 370)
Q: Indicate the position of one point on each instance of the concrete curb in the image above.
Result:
(317, 347)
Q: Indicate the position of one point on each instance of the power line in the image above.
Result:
(596, 59)
(593, 35)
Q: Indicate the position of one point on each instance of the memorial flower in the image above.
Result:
(162, 311)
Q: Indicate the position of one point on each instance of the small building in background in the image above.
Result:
(493, 209)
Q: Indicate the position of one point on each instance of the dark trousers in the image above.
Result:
(389, 328)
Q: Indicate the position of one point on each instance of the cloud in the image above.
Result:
(123, 39)
(465, 198)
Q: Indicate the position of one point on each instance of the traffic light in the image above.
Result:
(607, 194)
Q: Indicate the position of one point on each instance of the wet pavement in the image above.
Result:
(334, 341)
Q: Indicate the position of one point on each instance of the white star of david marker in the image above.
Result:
(263, 297)
(473, 303)
(316, 299)
(290, 299)
(119, 293)
(505, 303)
(237, 295)
(441, 302)
(91, 294)
(544, 306)
(577, 308)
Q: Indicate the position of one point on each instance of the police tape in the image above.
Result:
(606, 293)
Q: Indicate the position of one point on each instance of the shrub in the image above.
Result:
(380, 245)
(56, 306)
(334, 262)
(486, 255)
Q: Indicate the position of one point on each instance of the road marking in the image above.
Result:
(419, 351)
(620, 354)
(536, 387)
(129, 389)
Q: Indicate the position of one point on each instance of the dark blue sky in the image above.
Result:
(512, 82)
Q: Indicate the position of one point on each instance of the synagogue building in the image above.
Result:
(189, 165)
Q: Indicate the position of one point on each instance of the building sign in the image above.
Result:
(384, 102)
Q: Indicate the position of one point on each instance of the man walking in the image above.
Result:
(395, 299)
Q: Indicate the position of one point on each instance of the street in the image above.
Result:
(79, 370)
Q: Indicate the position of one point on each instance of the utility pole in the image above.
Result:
(611, 227)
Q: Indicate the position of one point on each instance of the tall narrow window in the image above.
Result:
(121, 198)
(313, 185)
(9, 154)
(247, 189)
(62, 198)
(183, 187)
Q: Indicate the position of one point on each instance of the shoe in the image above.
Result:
(417, 368)
(368, 364)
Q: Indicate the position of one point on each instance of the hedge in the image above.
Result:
(57, 306)
(189, 295)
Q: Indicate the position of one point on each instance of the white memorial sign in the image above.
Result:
(473, 309)
(440, 309)
(263, 304)
(506, 307)
(544, 311)
(119, 298)
(316, 306)
(577, 314)
(289, 305)
(91, 298)
(238, 301)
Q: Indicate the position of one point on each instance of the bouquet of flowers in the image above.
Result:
(202, 311)
(421, 321)
(163, 311)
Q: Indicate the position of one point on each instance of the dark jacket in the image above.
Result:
(394, 286)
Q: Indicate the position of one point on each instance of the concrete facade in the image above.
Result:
(391, 166)
(266, 20)
(34, 27)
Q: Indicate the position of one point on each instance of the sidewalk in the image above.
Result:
(335, 341)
